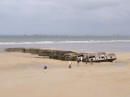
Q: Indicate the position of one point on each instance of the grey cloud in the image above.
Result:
(64, 16)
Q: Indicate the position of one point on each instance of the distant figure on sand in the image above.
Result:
(45, 67)
(70, 65)
(79, 59)
(91, 61)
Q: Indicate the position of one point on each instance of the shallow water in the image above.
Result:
(48, 66)
(119, 64)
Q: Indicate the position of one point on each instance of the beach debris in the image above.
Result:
(68, 55)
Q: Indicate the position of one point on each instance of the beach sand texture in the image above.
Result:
(22, 75)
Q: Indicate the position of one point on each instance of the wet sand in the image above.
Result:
(22, 75)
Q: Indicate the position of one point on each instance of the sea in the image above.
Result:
(80, 43)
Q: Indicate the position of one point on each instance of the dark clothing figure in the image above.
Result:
(91, 61)
(79, 59)
(45, 67)
(70, 66)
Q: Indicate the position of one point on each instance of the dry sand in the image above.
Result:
(21, 75)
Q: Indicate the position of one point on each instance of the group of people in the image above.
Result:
(79, 59)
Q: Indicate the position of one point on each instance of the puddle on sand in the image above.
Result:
(119, 64)
(30, 67)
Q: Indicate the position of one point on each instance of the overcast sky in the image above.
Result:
(70, 17)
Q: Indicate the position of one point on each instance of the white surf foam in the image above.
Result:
(66, 42)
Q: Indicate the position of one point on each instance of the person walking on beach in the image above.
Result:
(45, 68)
(91, 61)
(70, 65)
(79, 59)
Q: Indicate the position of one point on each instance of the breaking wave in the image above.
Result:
(64, 42)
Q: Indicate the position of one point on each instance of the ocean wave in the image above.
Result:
(64, 42)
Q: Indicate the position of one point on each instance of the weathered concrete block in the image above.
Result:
(15, 49)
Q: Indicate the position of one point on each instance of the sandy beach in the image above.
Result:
(22, 75)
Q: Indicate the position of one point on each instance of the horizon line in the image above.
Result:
(62, 35)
